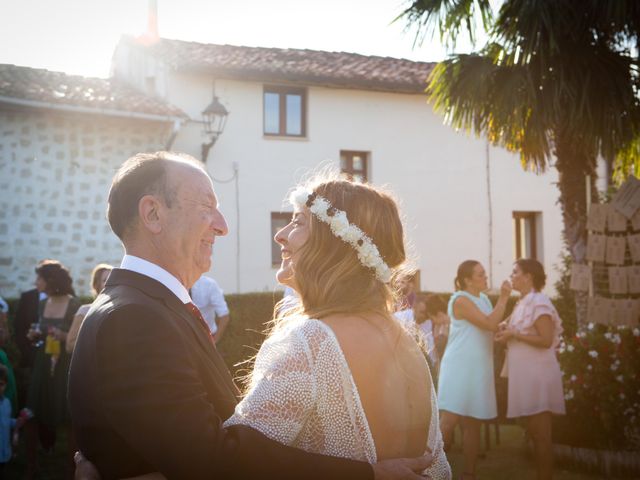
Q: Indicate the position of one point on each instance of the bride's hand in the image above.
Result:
(402, 468)
(85, 470)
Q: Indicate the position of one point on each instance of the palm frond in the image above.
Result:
(478, 94)
(448, 17)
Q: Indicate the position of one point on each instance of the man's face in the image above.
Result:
(191, 224)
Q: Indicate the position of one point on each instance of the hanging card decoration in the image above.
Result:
(618, 280)
(580, 277)
(611, 311)
(633, 278)
(634, 247)
(635, 220)
(616, 222)
(597, 220)
(597, 310)
(615, 250)
(596, 247)
(627, 311)
(627, 199)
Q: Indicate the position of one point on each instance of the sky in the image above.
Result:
(79, 36)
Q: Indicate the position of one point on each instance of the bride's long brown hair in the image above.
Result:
(328, 274)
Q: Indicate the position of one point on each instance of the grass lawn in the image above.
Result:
(51, 464)
(509, 460)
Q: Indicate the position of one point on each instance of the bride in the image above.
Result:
(337, 375)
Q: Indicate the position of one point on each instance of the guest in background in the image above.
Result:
(466, 387)
(99, 276)
(436, 310)
(26, 316)
(416, 321)
(407, 297)
(535, 380)
(47, 397)
(209, 298)
(7, 422)
(10, 391)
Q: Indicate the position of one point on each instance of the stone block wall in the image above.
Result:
(55, 172)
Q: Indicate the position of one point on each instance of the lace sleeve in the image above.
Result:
(282, 389)
(439, 468)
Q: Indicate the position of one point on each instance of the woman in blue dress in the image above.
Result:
(466, 388)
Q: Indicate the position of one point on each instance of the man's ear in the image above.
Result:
(149, 211)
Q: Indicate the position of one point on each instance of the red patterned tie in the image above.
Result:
(196, 313)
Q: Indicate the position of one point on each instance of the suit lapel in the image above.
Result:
(155, 289)
(205, 343)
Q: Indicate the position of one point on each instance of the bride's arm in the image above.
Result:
(282, 390)
(85, 470)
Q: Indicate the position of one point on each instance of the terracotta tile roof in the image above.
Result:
(346, 70)
(43, 86)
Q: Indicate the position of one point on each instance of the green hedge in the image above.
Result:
(250, 315)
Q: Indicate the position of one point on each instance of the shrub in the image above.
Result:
(601, 376)
(250, 314)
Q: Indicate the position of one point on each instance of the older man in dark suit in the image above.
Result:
(148, 390)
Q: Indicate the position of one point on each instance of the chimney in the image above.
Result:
(152, 21)
(151, 36)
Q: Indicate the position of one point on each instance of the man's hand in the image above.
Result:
(401, 468)
(85, 470)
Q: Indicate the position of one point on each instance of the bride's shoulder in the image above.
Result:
(301, 328)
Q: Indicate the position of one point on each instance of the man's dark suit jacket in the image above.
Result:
(148, 392)
(26, 314)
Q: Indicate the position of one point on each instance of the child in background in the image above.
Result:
(6, 422)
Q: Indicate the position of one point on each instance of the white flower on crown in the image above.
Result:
(319, 208)
(351, 234)
(367, 252)
(299, 196)
(339, 223)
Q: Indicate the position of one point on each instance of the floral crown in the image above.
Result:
(368, 253)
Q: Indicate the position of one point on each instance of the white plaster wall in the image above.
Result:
(438, 175)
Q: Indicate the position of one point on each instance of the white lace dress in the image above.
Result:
(302, 394)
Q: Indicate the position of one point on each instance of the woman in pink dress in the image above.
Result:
(535, 381)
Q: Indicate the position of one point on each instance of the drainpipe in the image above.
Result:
(490, 205)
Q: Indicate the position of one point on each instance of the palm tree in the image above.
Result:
(556, 78)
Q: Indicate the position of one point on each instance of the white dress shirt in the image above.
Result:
(144, 267)
(209, 298)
